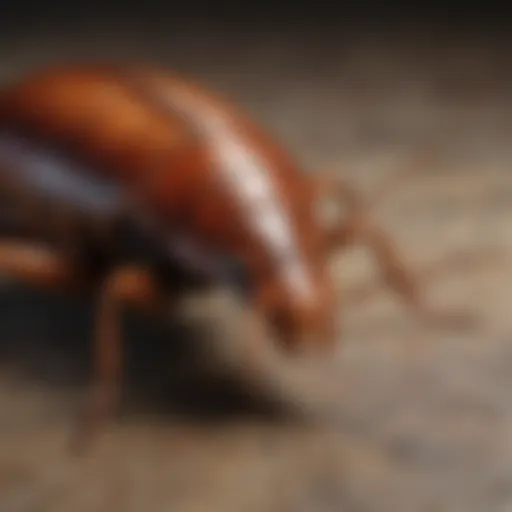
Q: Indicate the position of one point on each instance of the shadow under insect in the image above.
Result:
(48, 337)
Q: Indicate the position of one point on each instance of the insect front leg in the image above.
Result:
(358, 228)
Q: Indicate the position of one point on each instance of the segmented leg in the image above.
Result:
(38, 266)
(358, 228)
(392, 264)
(129, 286)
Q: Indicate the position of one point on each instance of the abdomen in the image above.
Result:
(82, 139)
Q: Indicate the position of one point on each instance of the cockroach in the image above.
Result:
(113, 175)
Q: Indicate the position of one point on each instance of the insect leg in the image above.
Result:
(37, 265)
(392, 264)
(127, 286)
(396, 273)
(358, 228)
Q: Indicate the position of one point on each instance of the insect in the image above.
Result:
(113, 176)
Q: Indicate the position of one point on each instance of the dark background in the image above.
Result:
(27, 15)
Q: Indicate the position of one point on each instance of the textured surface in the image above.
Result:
(406, 416)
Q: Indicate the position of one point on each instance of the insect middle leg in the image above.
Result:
(39, 266)
(129, 286)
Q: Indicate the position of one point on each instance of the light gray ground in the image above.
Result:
(405, 417)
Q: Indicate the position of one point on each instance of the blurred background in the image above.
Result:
(405, 417)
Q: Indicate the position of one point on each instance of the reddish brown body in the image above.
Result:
(133, 126)
(190, 166)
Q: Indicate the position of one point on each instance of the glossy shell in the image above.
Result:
(199, 172)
